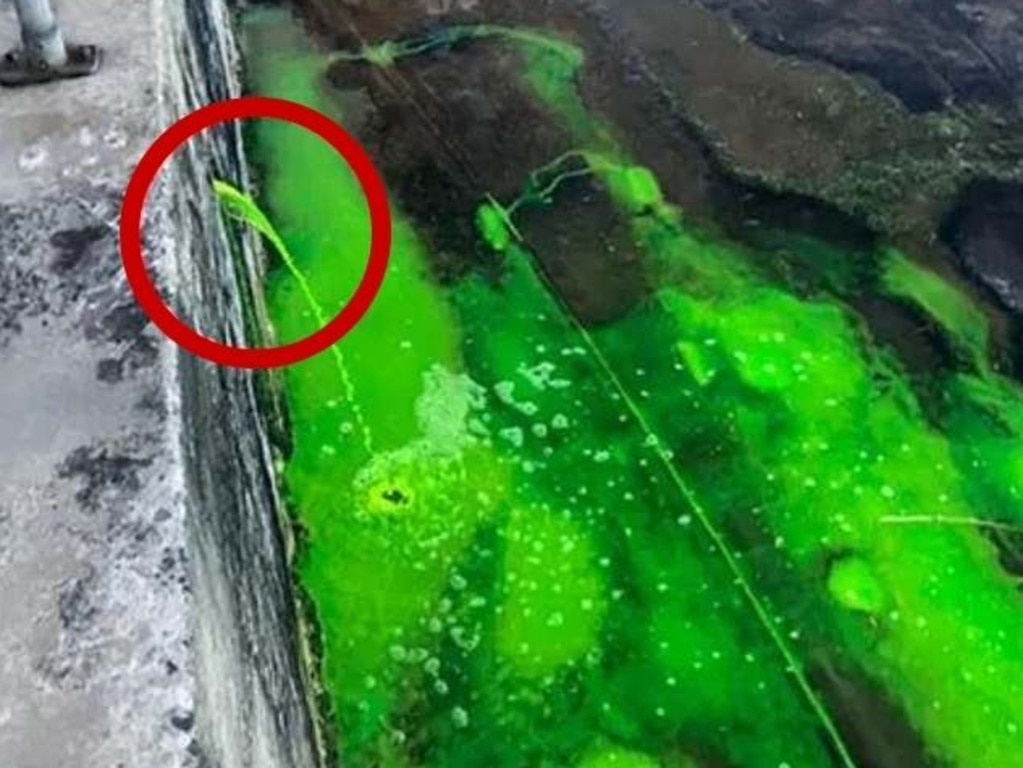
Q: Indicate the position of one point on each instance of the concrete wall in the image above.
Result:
(251, 705)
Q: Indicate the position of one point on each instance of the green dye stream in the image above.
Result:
(532, 544)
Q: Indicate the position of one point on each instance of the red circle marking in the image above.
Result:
(131, 232)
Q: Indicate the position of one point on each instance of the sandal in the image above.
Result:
(18, 68)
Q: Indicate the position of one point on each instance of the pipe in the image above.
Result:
(40, 33)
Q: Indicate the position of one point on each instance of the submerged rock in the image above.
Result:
(986, 232)
(926, 52)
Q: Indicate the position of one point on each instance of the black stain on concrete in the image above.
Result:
(72, 246)
(101, 470)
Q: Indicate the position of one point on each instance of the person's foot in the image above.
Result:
(19, 67)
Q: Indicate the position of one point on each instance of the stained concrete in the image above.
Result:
(89, 130)
(126, 633)
(93, 589)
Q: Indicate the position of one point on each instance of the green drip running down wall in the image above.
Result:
(594, 485)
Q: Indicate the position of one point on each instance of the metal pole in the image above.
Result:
(40, 33)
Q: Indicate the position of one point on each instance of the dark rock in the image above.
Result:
(985, 230)
(440, 182)
(605, 286)
(875, 729)
(925, 52)
(920, 344)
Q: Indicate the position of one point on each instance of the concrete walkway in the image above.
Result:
(93, 593)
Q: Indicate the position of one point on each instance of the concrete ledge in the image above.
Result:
(146, 608)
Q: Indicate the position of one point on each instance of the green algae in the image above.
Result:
(824, 502)
(618, 758)
(768, 342)
(241, 207)
(531, 564)
(495, 226)
(386, 53)
(985, 426)
(983, 410)
(853, 583)
(673, 617)
(955, 313)
(388, 588)
(817, 498)
(544, 549)
(636, 186)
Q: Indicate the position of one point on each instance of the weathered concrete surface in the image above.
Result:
(145, 618)
(92, 129)
(251, 707)
(93, 594)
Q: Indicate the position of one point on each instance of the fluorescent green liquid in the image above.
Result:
(533, 545)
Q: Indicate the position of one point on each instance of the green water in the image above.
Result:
(529, 544)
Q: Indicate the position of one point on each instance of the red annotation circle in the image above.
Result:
(131, 232)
